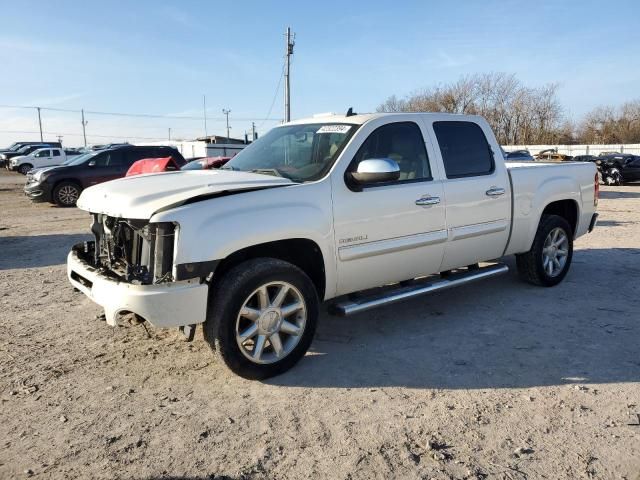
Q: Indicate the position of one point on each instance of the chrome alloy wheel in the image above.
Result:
(555, 252)
(68, 194)
(271, 322)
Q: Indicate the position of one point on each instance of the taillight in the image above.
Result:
(596, 190)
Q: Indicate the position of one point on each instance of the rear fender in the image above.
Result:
(529, 203)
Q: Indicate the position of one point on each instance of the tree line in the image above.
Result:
(521, 115)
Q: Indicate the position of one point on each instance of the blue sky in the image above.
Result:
(161, 57)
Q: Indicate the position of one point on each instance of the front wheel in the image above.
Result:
(549, 259)
(66, 194)
(24, 168)
(261, 318)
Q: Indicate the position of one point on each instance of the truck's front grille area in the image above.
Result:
(134, 250)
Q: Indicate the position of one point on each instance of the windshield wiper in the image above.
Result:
(229, 167)
(267, 171)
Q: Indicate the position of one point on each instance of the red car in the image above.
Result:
(152, 165)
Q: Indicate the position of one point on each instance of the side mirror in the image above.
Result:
(376, 170)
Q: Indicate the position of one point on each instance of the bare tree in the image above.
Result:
(518, 115)
(609, 124)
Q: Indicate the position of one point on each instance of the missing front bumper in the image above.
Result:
(164, 305)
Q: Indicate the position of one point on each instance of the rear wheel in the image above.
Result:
(66, 194)
(549, 259)
(261, 318)
(24, 168)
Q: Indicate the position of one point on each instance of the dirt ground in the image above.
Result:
(494, 380)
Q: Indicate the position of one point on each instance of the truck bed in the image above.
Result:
(536, 184)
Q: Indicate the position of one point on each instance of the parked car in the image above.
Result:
(206, 163)
(152, 165)
(318, 209)
(552, 155)
(619, 168)
(17, 145)
(24, 150)
(585, 158)
(63, 184)
(108, 145)
(43, 157)
(519, 156)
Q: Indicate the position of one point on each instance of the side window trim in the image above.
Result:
(397, 182)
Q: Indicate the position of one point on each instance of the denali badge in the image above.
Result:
(353, 239)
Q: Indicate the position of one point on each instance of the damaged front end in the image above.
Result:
(133, 251)
(129, 270)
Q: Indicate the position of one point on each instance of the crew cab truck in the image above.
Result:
(43, 157)
(355, 210)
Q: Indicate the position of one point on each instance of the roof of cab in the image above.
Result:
(359, 119)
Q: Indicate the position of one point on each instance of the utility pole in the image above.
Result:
(204, 109)
(169, 133)
(226, 112)
(84, 132)
(40, 123)
(287, 75)
(253, 131)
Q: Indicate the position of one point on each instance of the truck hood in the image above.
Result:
(142, 196)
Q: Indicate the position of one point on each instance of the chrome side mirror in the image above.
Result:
(376, 170)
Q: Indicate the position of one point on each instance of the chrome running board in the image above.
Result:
(367, 302)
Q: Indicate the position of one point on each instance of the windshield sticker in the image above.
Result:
(334, 129)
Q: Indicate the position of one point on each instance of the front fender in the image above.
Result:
(214, 229)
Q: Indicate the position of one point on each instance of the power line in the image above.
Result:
(140, 115)
(275, 95)
(80, 135)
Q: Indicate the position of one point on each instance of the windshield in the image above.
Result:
(24, 149)
(301, 153)
(80, 159)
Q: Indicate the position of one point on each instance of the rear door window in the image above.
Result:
(56, 153)
(465, 149)
(114, 158)
(136, 154)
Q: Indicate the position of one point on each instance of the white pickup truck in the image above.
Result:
(359, 210)
(43, 157)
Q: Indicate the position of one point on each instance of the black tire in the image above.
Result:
(530, 264)
(228, 296)
(24, 168)
(63, 196)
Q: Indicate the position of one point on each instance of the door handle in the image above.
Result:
(495, 192)
(427, 200)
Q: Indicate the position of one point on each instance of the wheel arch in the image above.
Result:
(301, 252)
(69, 180)
(24, 164)
(567, 209)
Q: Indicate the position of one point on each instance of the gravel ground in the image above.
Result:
(494, 380)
